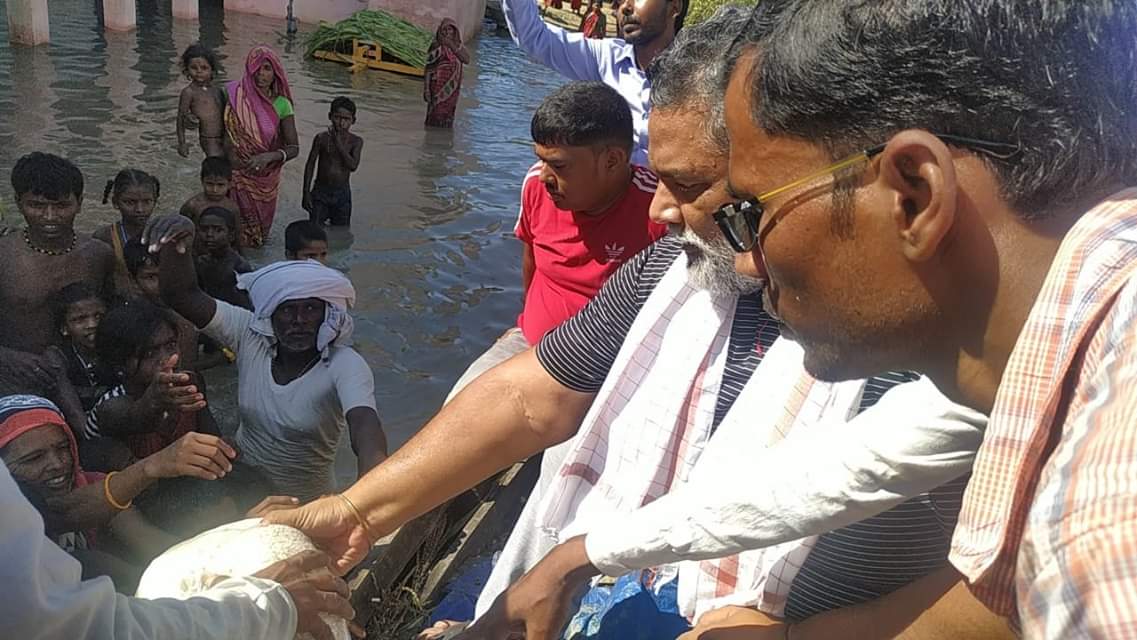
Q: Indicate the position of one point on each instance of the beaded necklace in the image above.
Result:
(48, 252)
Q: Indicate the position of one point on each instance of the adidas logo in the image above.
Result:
(614, 251)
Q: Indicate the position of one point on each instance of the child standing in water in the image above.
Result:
(135, 194)
(217, 262)
(306, 240)
(337, 152)
(216, 178)
(202, 104)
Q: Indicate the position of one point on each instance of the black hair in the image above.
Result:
(1057, 78)
(582, 114)
(125, 333)
(137, 255)
(298, 234)
(216, 167)
(198, 50)
(220, 212)
(343, 102)
(71, 294)
(690, 72)
(128, 178)
(47, 175)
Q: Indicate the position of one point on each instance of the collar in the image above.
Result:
(623, 52)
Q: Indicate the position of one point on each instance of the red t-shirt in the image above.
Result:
(575, 254)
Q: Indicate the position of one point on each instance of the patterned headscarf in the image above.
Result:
(252, 108)
(20, 414)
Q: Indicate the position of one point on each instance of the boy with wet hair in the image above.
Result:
(217, 262)
(337, 153)
(306, 240)
(46, 256)
(216, 178)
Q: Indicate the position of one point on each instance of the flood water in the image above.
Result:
(430, 250)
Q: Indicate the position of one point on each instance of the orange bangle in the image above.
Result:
(358, 517)
(107, 494)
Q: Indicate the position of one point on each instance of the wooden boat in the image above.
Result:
(407, 573)
(368, 55)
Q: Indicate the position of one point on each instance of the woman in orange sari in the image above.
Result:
(261, 136)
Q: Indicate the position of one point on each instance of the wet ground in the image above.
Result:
(430, 249)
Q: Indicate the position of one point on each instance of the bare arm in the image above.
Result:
(291, 138)
(177, 277)
(528, 268)
(368, 441)
(935, 607)
(349, 151)
(187, 209)
(183, 110)
(462, 53)
(508, 414)
(310, 167)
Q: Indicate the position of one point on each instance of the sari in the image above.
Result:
(594, 25)
(253, 127)
(443, 81)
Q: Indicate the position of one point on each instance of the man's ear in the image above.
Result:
(917, 171)
(615, 157)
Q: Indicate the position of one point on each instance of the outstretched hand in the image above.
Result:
(536, 607)
(331, 525)
(197, 455)
(176, 230)
(174, 390)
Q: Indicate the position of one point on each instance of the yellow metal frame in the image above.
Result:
(368, 55)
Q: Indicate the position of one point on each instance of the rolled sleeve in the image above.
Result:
(229, 325)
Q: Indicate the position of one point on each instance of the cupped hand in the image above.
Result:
(536, 607)
(331, 525)
(175, 230)
(183, 149)
(308, 578)
(197, 455)
(270, 504)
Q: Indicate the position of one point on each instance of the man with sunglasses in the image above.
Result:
(984, 235)
(646, 28)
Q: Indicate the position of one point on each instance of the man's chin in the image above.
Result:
(830, 364)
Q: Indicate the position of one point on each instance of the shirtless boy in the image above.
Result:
(338, 151)
(38, 261)
(216, 178)
(202, 103)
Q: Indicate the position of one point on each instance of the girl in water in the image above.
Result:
(135, 194)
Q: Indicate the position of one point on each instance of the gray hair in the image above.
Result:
(690, 72)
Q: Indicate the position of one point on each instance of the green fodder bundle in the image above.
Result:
(399, 38)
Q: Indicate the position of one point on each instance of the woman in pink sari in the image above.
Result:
(261, 128)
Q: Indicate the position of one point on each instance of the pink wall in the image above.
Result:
(425, 13)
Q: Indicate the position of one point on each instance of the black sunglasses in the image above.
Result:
(738, 221)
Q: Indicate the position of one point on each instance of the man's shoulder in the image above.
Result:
(644, 180)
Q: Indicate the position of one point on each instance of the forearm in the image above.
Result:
(179, 288)
(87, 507)
(508, 414)
(181, 129)
(935, 607)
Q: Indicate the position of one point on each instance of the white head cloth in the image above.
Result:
(280, 282)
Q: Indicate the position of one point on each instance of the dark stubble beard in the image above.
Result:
(710, 265)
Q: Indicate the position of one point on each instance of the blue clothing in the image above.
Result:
(611, 61)
(635, 607)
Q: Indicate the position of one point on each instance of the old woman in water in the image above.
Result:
(299, 381)
(260, 137)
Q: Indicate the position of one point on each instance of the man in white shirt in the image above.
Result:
(48, 601)
(647, 27)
